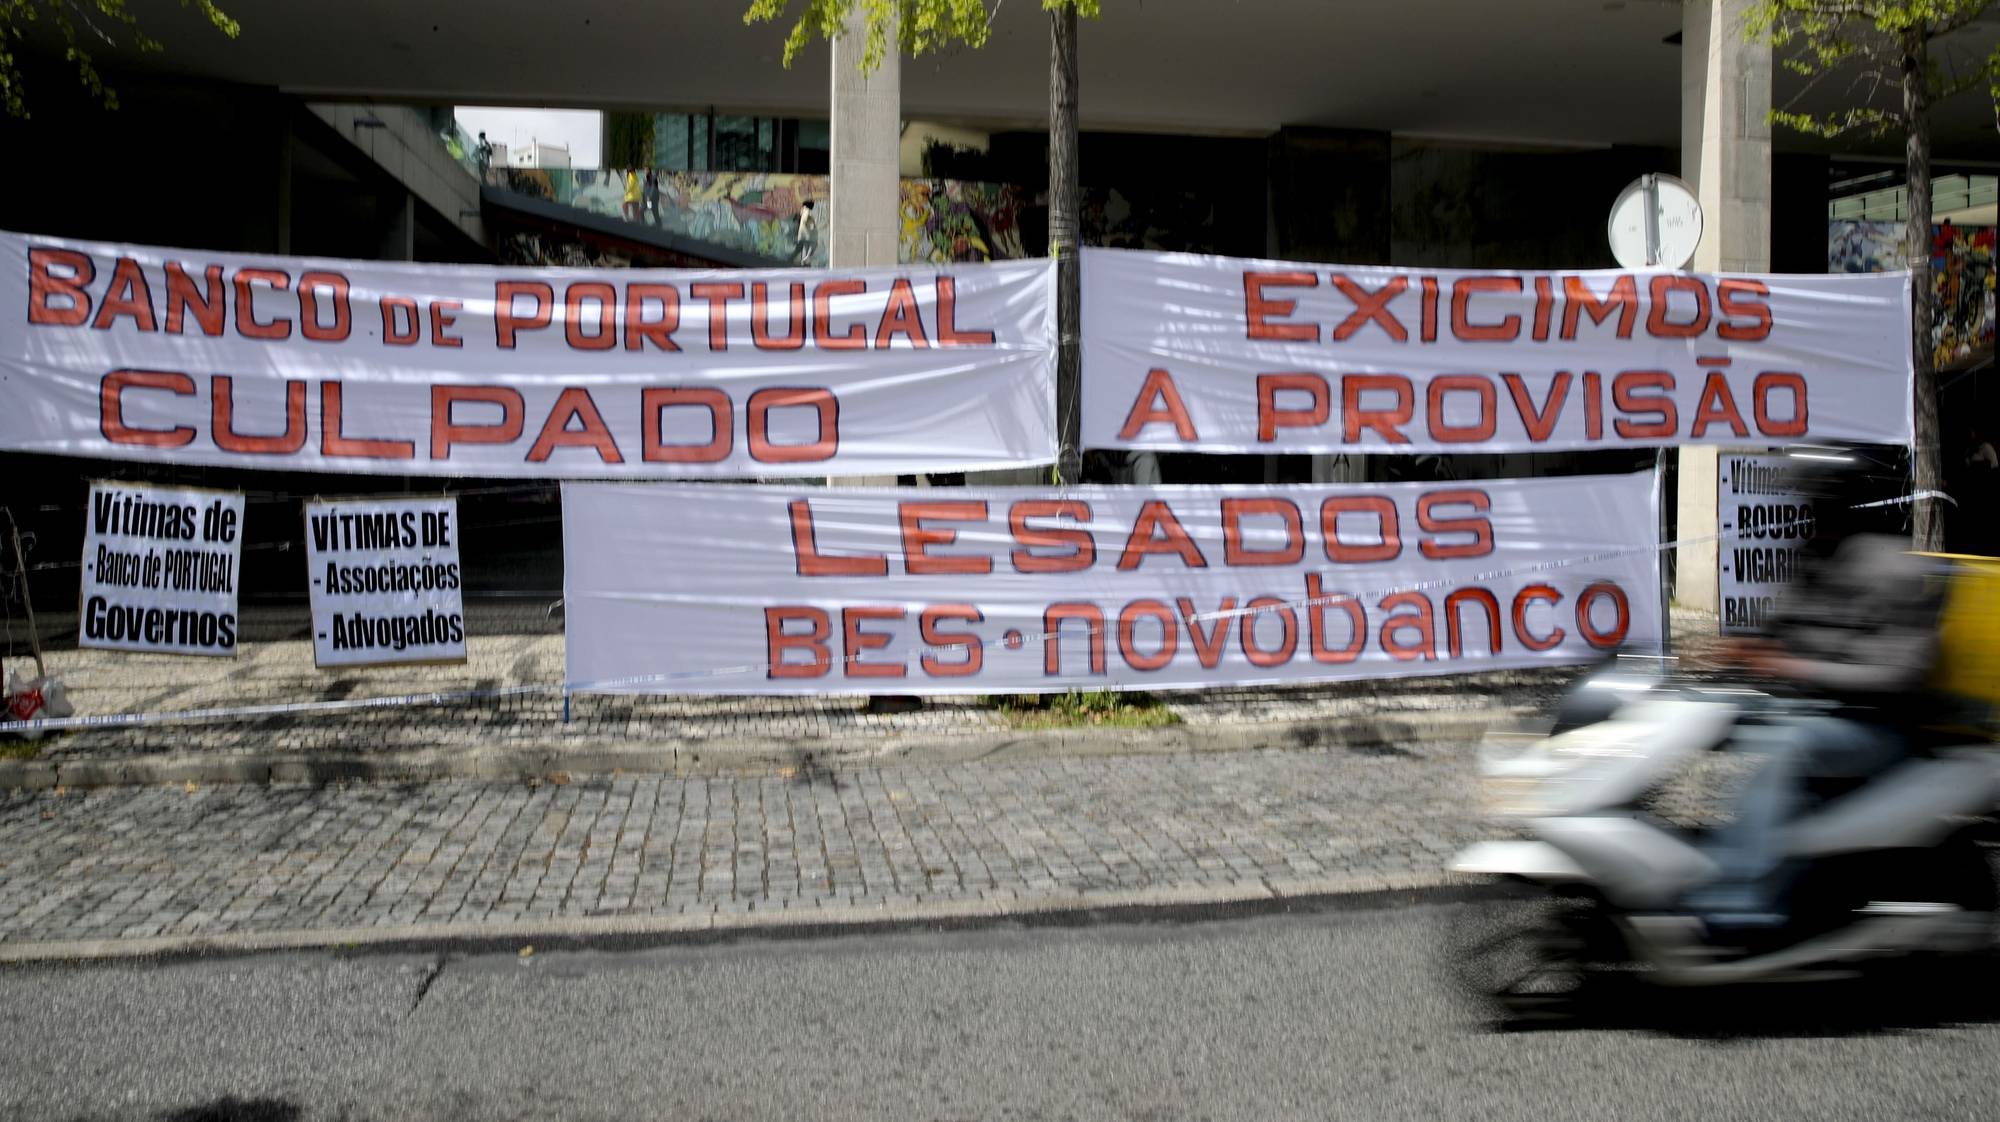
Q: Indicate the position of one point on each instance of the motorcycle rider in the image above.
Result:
(1858, 628)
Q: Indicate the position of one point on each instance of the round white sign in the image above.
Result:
(1655, 224)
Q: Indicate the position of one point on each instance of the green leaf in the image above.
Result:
(1816, 38)
(103, 19)
(921, 26)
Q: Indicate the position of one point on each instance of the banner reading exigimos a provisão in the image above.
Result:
(1185, 353)
(297, 364)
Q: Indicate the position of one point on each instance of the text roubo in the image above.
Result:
(310, 364)
(1026, 590)
(1220, 354)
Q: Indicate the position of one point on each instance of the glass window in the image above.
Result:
(670, 141)
(736, 144)
(815, 140)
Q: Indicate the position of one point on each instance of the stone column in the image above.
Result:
(867, 126)
(1726, 157)
(863, 206)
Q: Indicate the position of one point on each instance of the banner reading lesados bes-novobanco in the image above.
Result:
(1217, 354)
(702, 588)
(139, 353)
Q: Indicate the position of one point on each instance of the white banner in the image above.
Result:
(385, 581)
(1187, 353)
(1764, 523)
(297, 364)
(712, 589)
(160, 569)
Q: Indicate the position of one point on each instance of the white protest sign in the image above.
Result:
(1764, 522)
(386, 581)
(160, 569)
(703, 588)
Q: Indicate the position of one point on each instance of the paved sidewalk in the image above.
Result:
(833, 727)
(506, 731)
(159, 869)
(276, 673)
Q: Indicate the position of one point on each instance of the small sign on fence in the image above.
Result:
(1763, 522)
(386, 582)
(160, 569)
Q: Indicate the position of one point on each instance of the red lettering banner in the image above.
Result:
(1021, 590)
(295, 364)
(1185, 353)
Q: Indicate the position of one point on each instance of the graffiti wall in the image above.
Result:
(947, 220)
(766, 213)
(1962, 278)
(756, 211)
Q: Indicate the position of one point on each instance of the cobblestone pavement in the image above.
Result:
(135, 863)
(281, 670)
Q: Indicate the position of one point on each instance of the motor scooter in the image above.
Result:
(1597, 862)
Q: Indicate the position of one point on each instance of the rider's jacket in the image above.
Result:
(1863, 624)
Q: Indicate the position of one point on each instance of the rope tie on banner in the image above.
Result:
(639, 683)
(1900, 500)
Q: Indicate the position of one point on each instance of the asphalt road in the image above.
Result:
(1332, 1014)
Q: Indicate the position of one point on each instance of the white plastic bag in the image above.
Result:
(32, 698)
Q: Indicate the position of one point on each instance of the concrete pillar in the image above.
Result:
(863, 206)
(863, 222)
(1726, 156)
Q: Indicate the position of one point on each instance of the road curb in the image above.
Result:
(807, 921)
(598, 759)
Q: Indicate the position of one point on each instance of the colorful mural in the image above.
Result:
(1962, 278)
(764, 212)
(754, 211)
(947, 220)
(1962, 269)
(1864, 247)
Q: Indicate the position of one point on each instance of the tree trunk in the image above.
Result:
(1928, 527)
(1065, 230)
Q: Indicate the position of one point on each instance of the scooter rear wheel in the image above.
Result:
(1517, 953)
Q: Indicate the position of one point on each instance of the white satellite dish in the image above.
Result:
(1655, 224)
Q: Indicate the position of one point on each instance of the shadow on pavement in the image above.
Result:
(1890, 1000)
(232, 1109)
